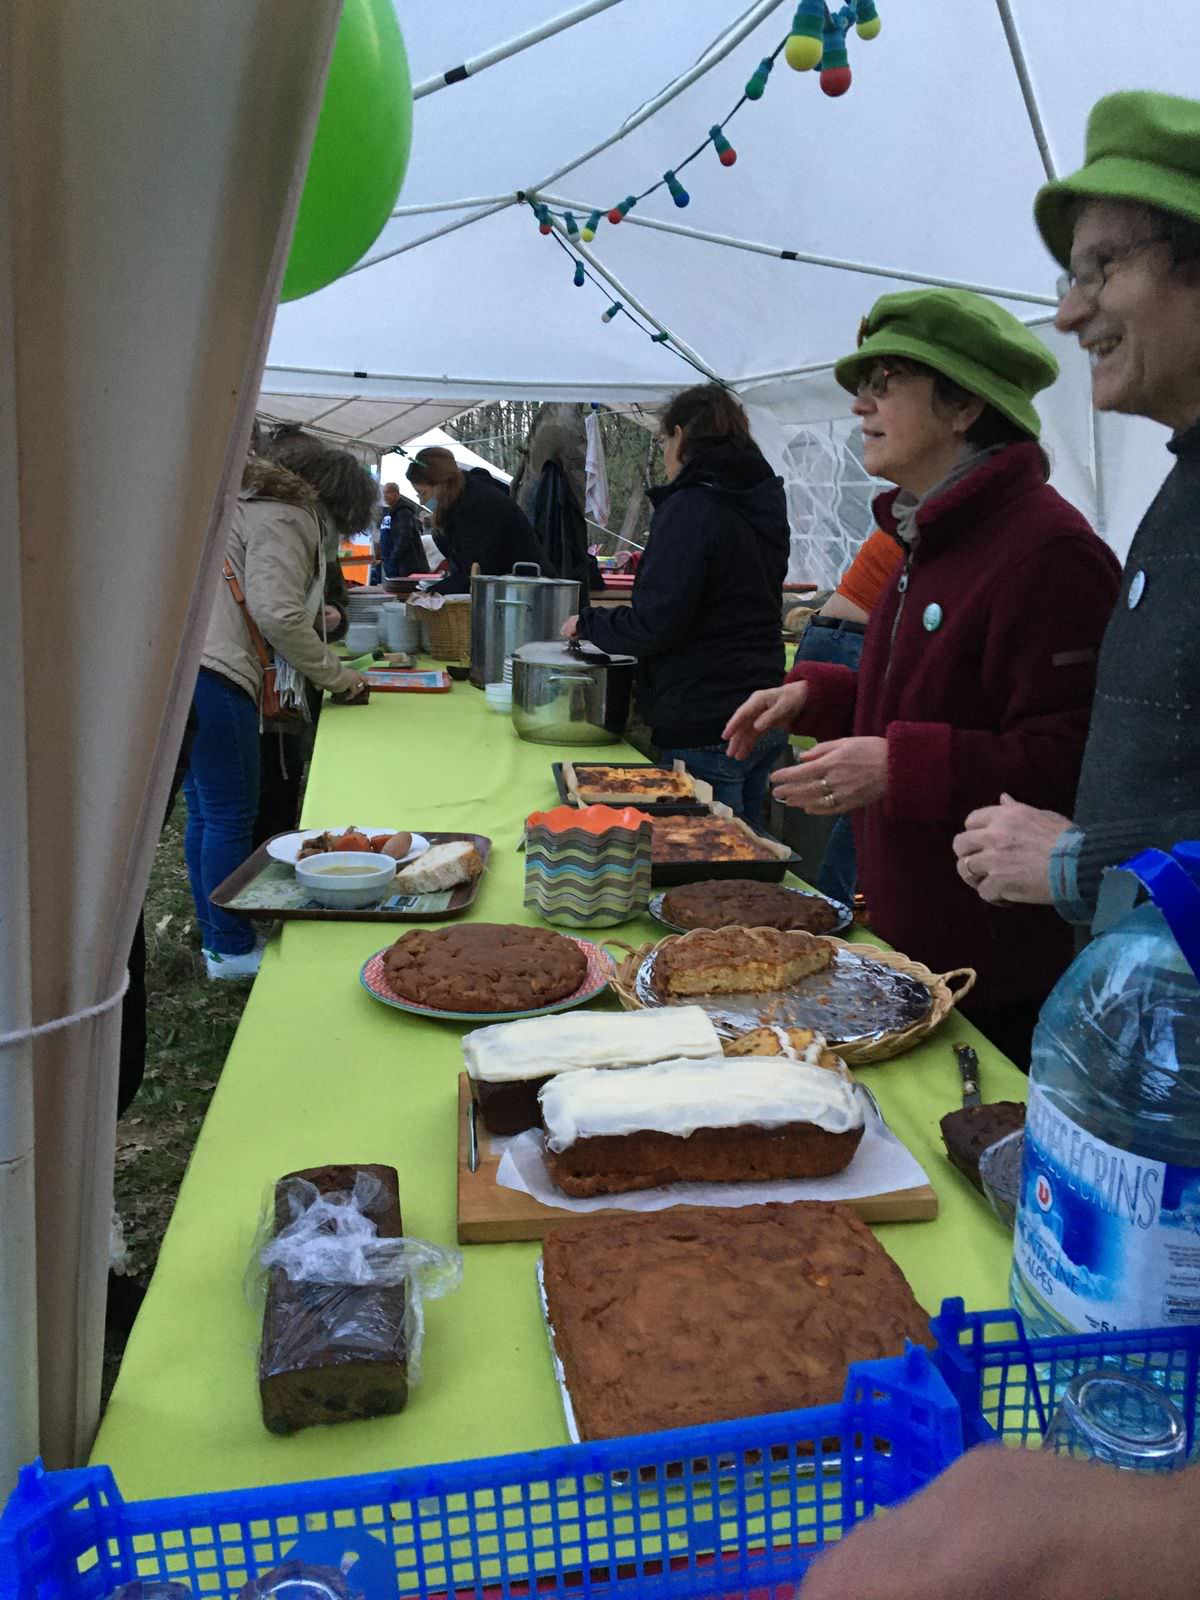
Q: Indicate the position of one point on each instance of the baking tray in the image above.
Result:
(845, 914)
(667, 874)
(267, 889)
(652, 808)
(838, 1003)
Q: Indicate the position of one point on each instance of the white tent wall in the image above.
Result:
(151, 160)
(924, 172)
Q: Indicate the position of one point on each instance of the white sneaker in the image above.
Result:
(244, 966)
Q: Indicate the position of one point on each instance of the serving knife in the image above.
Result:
(968, 1066)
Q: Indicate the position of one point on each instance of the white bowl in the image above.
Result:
(498, 697)
(325, 878)
(286, 847)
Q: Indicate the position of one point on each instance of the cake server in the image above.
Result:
(968, 1066)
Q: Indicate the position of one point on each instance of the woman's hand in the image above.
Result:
(1004, 852)
(842, 775)
(765, 709)
(570, 628)
(357, 695)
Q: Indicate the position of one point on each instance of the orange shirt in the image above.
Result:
(868, 574)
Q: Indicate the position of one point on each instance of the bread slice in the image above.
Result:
(442, 866)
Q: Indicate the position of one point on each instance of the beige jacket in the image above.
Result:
(275, 551)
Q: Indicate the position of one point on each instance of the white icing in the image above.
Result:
(509, 1052)
(677, 1097)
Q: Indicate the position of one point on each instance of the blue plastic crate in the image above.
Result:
(725, 1509)
(1007, 1384)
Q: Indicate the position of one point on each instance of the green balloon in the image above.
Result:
(360, 151)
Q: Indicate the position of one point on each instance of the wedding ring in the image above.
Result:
(830, 797)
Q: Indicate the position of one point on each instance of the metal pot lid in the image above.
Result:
(556, 653)
(531, 579)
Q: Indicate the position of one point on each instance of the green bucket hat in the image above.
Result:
(1141, 147)
(969, 339)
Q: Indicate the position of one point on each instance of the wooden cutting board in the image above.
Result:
(488, 1214)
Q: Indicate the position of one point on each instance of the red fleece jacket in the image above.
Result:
(978, 668)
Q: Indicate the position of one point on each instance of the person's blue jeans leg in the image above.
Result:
(221, 788)
(838, 874)
(740, 785)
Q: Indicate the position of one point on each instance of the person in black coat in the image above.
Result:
(705, 618)
(474, 520)
(400, 549)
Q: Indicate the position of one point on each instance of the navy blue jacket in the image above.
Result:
(486, 526)
(705, 612)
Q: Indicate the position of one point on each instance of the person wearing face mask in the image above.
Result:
(1126, 228)
(979, 660)
(705, 614)
(475, 521)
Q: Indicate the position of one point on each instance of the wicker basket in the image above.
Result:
(946, 989)
(450, 629)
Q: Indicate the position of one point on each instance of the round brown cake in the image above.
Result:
(485, 966)
(742, 903)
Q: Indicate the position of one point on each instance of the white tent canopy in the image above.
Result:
(924, 172)
(394, 465)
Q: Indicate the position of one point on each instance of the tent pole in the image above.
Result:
(623, 293)
(717, 53)
(453, 205)
(800, 255)
(511, 47)
(449, 227)
(18, 1243)
(1016, 49)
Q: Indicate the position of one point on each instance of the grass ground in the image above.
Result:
(190, 1025)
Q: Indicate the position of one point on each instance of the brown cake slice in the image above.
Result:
(739, 960)
(667, 1319)
(967, 1133)
(801, 1044)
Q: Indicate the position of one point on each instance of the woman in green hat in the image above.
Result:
(979, 662)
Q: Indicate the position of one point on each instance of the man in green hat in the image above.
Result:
(1126, 227)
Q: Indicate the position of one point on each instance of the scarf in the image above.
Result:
(906, 504)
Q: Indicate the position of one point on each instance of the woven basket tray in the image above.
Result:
(946, 988)
(449, 630)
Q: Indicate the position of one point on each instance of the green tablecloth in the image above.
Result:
(319, 1072)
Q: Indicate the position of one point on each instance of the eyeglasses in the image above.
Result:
(1091, 278)
(875, 382)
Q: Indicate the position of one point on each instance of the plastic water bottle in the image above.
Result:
(1108, 1220)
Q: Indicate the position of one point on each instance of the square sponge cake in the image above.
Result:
(697, 1314)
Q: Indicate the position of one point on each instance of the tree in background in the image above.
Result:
(500, 431)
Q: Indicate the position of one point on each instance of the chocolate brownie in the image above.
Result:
(969, 1132)
(744, 903)
(333, 1353)
(666, 1319)
(485, 966)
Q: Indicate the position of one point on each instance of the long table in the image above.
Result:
(320, 1072)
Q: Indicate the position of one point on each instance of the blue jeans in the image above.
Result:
(221, 787)
(837, 875)
(741, 785)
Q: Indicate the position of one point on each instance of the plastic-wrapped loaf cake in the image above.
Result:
(509, 1062)
(332, 1352)
(749, 1119)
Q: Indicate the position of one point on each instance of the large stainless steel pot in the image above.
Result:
(512, 609)
(570, 695)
